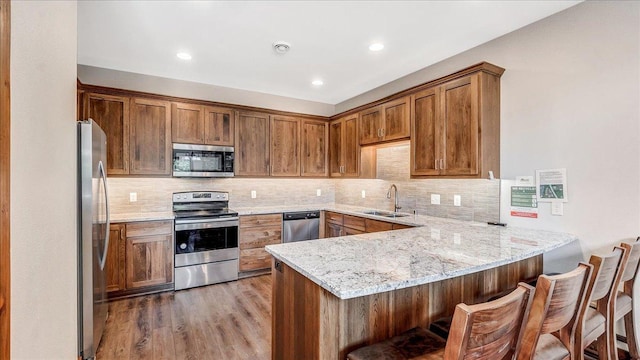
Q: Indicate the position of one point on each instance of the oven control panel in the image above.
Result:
(200, 196)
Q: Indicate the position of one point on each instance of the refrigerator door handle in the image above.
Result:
(103, 176)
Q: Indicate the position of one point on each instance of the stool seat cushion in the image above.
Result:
(550, 348)
(623, 305)
(417, 343)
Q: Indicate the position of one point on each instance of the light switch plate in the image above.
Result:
(363, 194)
(435, 199)
(133, 197)
(457, 199)
(253, 194)
(557, 208)
(319, 192)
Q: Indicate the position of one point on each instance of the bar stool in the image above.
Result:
(483, 331)
(624, 307)
(594, 323)
(550, 329)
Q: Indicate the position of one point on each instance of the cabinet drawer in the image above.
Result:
(261, 220)
(354, 222)
(334, 218)
(375, 225)
(259, 237)
(254, 259)
(145, 228)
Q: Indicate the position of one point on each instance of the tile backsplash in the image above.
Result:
(480, 198)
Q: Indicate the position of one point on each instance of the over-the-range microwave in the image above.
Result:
(202, 160)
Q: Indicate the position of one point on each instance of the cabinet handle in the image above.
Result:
(382, 132)
(436, 164)
(442, 164)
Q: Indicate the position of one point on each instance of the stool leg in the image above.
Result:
(632, 338)
(602, 346)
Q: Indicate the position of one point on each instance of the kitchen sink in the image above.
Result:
(384, 213)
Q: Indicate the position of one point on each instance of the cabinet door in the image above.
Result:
(149, 261)
(460, 119)
(332, 230)
(351, 148)
(219, 124)
(252, 144)
(371, 125)
(396, 119)
(253, 256)
(285, 146)
(80, 104)
(426, 129)
(187, 123)
(376, 225)
(314, 148)
(350, 231)
(335, 147)
(111, 113)
(115, 264)
(150, 137)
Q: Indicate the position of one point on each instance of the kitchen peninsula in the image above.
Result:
(331, 296)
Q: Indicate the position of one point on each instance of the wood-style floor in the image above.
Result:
(224, 321)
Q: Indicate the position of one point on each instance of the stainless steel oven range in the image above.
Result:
(206, 234)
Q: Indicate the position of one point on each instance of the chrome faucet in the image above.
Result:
(396, 207)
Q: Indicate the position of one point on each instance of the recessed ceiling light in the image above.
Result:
(184, 56)
(317, 82)
(376, 46)
(281, 47)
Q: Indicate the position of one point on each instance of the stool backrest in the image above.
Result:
(490, 330)
(633, 262)
(557, 302)
(605, 270)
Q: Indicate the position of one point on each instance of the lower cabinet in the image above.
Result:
(140, 258)
(337, 224)
(256, 232)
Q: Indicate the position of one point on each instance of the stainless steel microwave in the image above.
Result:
(202, 161)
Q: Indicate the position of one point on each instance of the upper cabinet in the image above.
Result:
(314, 141)
(285, 146)
(197, 124)
(455, 127)
(386, 122)
(111, 113)
(344, 148)
(150, 137)
(252, 144)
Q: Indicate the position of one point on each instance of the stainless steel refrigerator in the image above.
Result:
(93, 236)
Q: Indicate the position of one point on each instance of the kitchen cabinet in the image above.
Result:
(344, 148)
(337, 224)
(252, 148)
(376, 225)
(198, 124)
(111, 113)
(150, 137)
(115, 264)
(285, 146)
(386, 122)
(455, 128)
(314, 159)
(256, 232)
(139, 258)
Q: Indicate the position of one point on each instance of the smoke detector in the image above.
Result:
(281, 47)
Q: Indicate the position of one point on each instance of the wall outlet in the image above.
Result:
(363, 194)
(133, 197)
(457, 200)
(253, 194)
(319, 192)
(435, 199)
(557, 208)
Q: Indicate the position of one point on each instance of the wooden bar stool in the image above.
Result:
(594, 322)
(624, 307)
(483, 331)
(550, 329)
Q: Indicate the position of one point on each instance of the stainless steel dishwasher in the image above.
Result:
(300, 226)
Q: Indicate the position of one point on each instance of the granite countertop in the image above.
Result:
(143, 216)
(437, 249)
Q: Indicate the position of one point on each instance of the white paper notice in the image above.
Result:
(551, 185)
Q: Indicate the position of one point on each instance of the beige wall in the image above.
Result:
(43, 180)
(569, 100)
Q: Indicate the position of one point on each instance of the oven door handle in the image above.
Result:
(205, 224)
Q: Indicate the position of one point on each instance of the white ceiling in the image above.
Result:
(231, 40)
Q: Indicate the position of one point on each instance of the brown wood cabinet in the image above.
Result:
(111, 113)
(149, 254)
(256, 232)
(198, 124)
(314, 159)
(285, 146)
(115, 264)
(455, 128)
(150, 137)
(386, 122)
(337, 224)
(252, 144)
(344, 147)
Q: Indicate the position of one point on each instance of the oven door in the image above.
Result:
(202, 161)
(204, 241)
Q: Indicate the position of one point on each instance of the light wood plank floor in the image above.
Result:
(222, 321)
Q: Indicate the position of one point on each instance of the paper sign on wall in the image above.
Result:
(551, 185)
(524, 202)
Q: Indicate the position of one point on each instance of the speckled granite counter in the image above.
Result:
(146, 216)
(366, 264)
